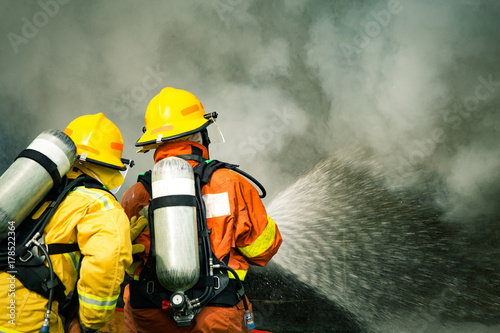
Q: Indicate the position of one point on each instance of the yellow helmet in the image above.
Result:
(98, 140)
(172, 114)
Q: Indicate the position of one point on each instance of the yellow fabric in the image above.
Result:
(29, 309)
(6, 330)
(262, 243)
(95, 220)
(108, 177)
(242, 273)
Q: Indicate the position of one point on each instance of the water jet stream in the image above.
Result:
(382, 254)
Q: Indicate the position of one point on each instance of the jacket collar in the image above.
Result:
(176, 148)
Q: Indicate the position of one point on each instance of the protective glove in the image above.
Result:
(137, 225)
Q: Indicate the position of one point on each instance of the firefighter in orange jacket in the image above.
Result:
(240, 227)
(91, 217)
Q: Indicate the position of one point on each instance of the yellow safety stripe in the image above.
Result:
(97, 303)
(262, 243)
(8, 330)
(106, 203)
(242, 273)
(74, 259)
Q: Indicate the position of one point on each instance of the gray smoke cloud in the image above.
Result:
(415, 82)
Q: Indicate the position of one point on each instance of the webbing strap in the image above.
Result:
(38, 280)
(191, 157)
(196, 155)
(44, 161)
(173, 200)
(58, 248)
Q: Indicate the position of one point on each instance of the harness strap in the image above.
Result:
(196, 155)
(145, 180)
(173, 200)
(59, 248)
(44, 161)
(37, 279)
(192, 157)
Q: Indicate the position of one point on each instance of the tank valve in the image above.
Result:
(178, 301)
(166, 305)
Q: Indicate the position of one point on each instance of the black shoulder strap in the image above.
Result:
(145, 180)
(206, 169)
(44, 161)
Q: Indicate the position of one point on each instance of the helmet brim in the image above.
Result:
(149, 141)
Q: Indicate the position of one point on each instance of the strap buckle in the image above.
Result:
(32, 251)
(150, 287)
(217, 284)
(30, 255)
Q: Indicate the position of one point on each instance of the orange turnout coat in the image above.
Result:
(94, 219)
(240, 227)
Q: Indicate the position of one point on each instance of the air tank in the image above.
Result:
(175, 227)
(25, 183)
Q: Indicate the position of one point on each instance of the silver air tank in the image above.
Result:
(24, 184)
(175, 227)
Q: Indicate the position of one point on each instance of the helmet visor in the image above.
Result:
(214, 133)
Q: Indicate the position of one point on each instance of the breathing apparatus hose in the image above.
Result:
(255, 181)
(205, 242)
(46, 318)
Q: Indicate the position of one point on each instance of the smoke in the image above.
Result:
(415, 82)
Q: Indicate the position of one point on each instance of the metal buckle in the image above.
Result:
(218, 282)
(29, 257)
(150, 287)
(32, 251)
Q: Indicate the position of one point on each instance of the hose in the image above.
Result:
(205, 245)
(46, 319)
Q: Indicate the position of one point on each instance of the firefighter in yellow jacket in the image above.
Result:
(92, 218)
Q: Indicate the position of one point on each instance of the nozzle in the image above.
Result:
(249, 323)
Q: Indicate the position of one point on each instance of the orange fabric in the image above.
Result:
(245, 221)
(74, 326)
(211, 319)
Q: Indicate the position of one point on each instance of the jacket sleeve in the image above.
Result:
(257, 236)
(133, 200)
(104, 241)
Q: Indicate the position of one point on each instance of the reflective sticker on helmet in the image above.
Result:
(217, 204)
(190, 109)
(89, 149)
(162, 128)
(117, 146)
